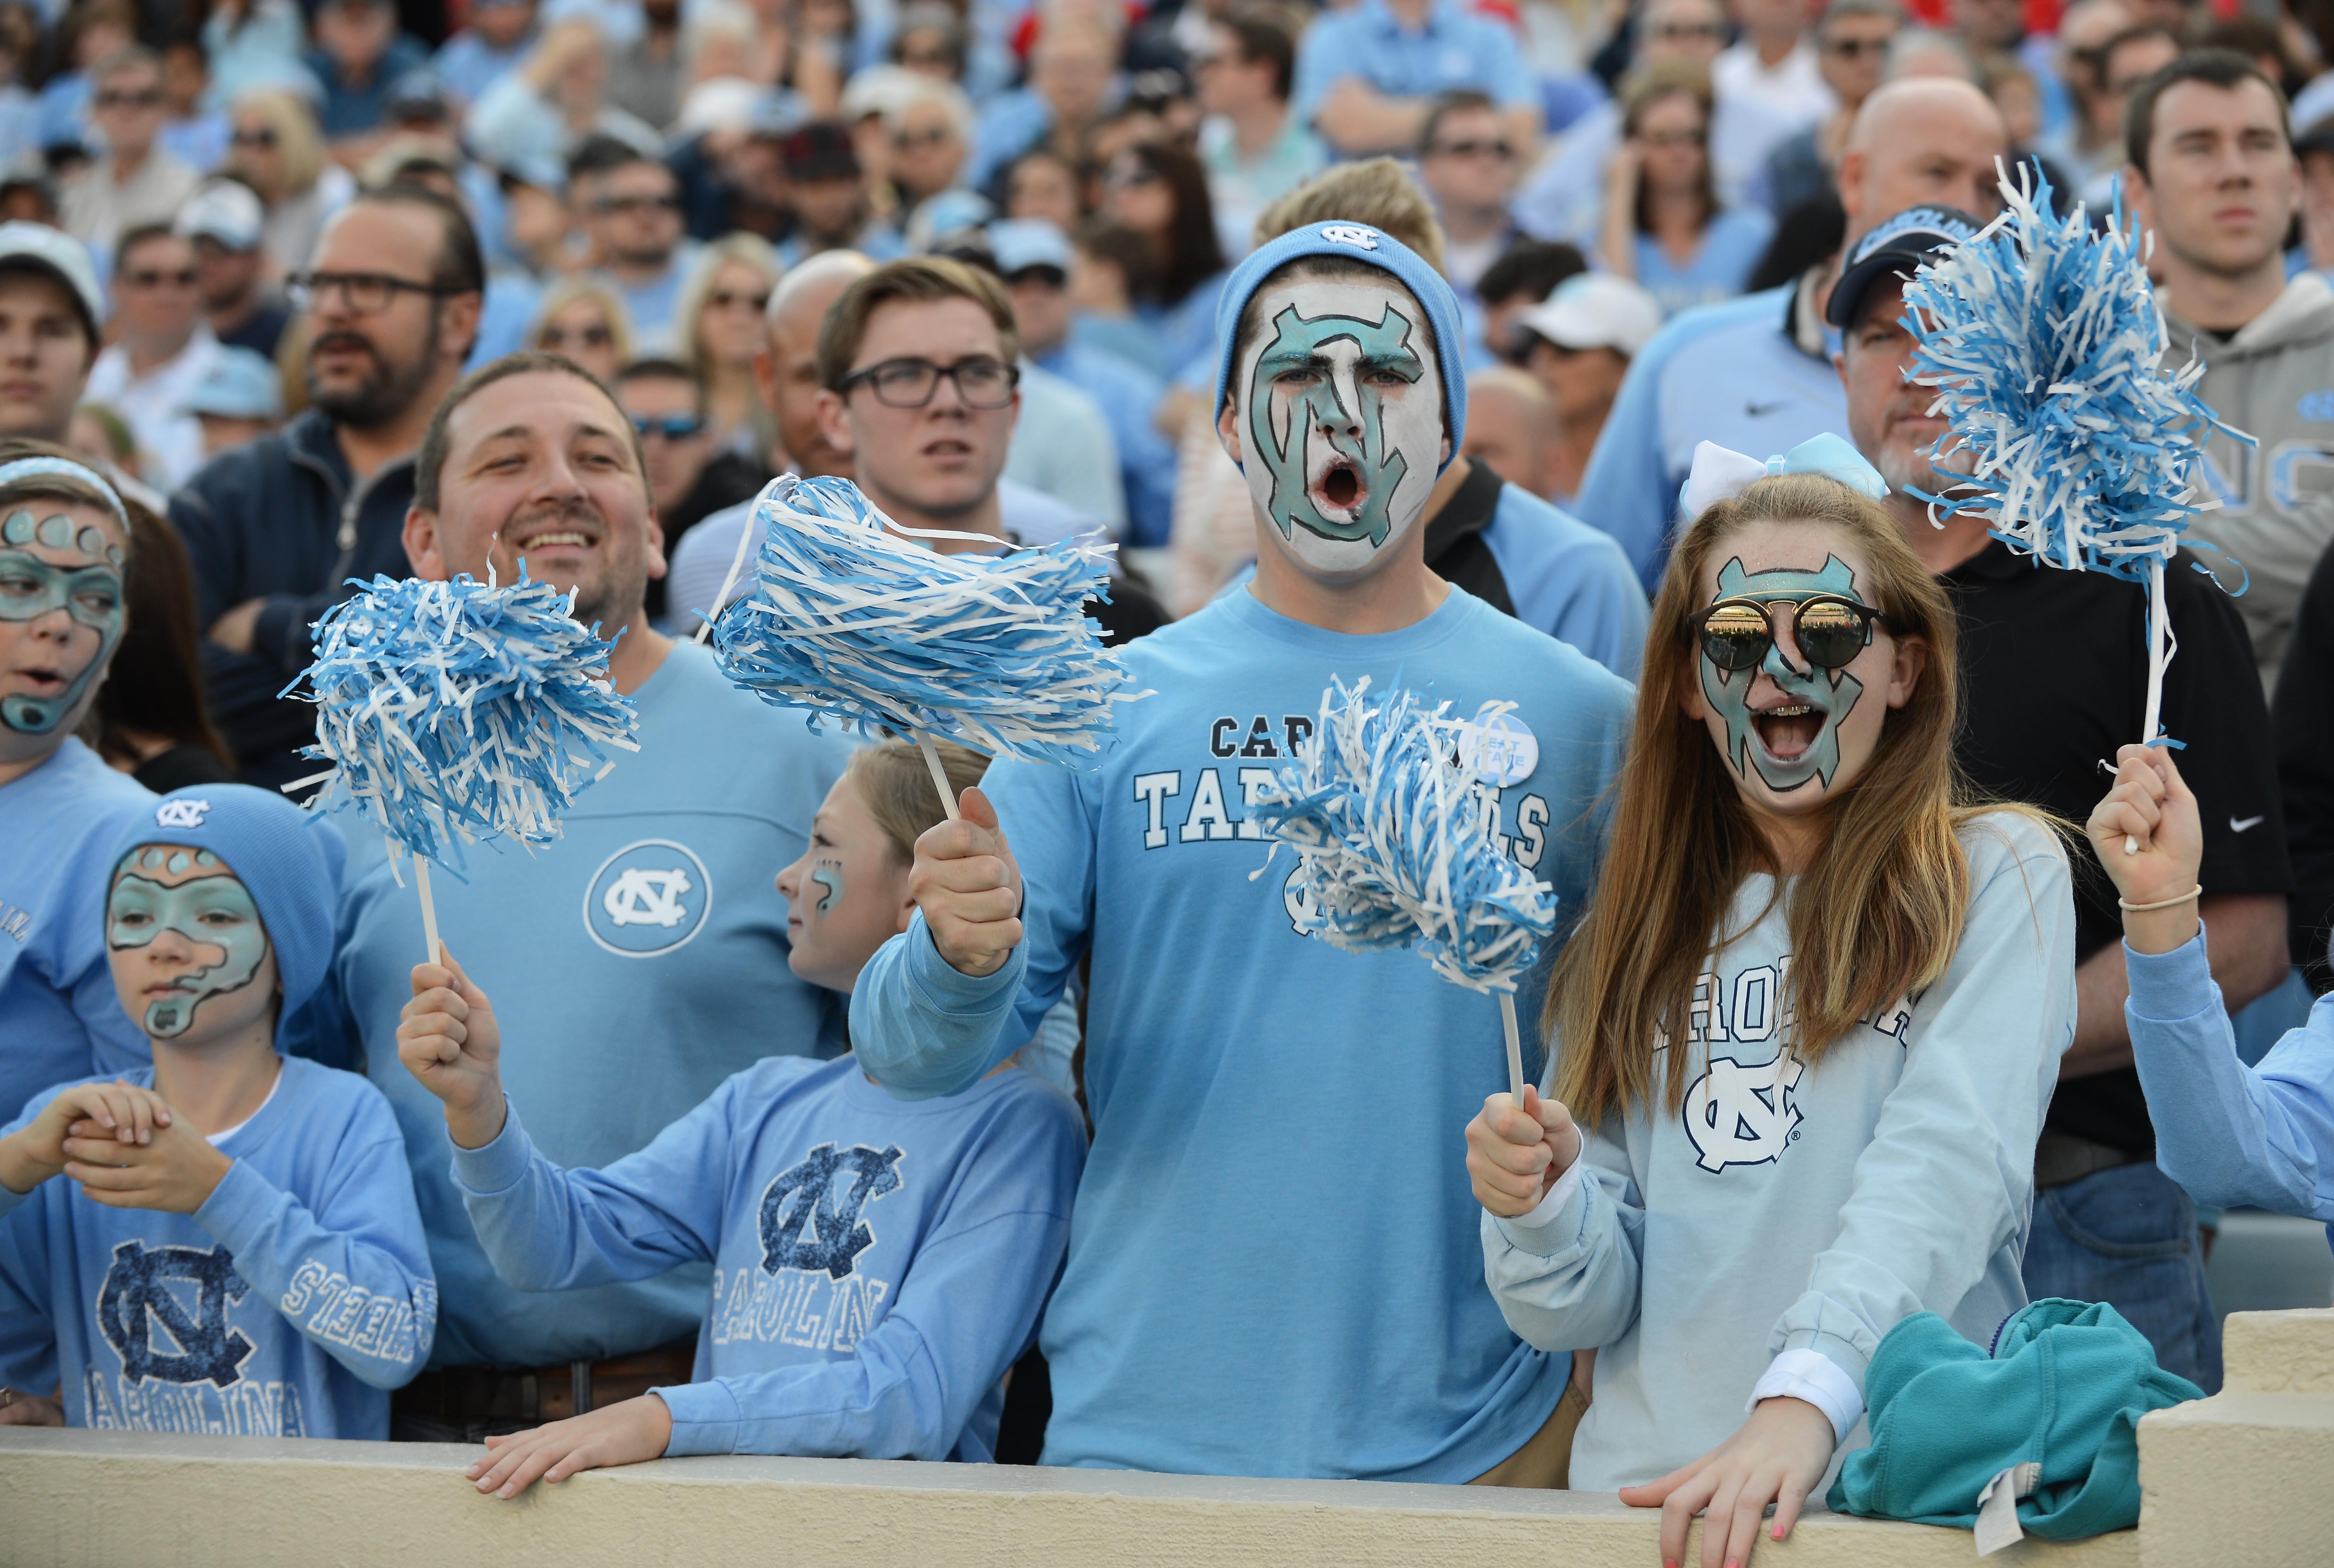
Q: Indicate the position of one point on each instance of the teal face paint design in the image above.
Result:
(214, 913)
(31, 588)
(828, 875)
(1831, 693)
(1339, 400)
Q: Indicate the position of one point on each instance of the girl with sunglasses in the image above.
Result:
(1802, 1039)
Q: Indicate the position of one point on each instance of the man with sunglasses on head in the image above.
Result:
(2054, 678)
(274, 529)
(162, 349)
(134, 181)
(688, 481)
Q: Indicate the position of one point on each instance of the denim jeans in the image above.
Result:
(2128, 1237)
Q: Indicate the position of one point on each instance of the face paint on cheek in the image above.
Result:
(32, 588)
(230, 950)
(1831, 694)
(828, 874)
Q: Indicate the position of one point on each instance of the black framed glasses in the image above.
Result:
(981, 382)
(1830, 630)
(363, 293)
(1502, 151)
(671, 427)
(611, 205)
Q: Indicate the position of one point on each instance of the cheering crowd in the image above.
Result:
(767, 1111)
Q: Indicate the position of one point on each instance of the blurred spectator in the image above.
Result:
(275, 528)
(1468, 167)
(630, 205)
(1159, 192)
(29, 197)
(1111, 268)
(133, 182)
(829, 197)
(688, 478)
(1928, 52)
(552, 103)
(52, 320)
(1525, 274)
(1663, 225)
(161, 349)
(928, 137)
(724, 303)
(2125, 60)
(2314, 146)
(1511, 428)
(1851, 49)
(1254, 150)
(239, 399)
(152, 721)
(1766, 87)
(2091, 149)
(276, 149)
(645, 77)
(228, 228)
(193, 132)
(88, 37)
(1578, 344)
(536, 222)
(1035, 259)
(499, 34)
(98, 434)
(253, 44)
(360, 53)
(1042, 183)
(1073, 82)
(1563, 197)
(1365, 75)
(584, 321)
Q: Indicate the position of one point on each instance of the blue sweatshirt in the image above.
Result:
(878, 1264)
(2259, 1137)
(58, 1018)
(637, 963)
(287, 1305)
(1208, 1321)
(1763, 1238)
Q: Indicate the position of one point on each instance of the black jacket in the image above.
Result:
(2301, 724)
(280, 519)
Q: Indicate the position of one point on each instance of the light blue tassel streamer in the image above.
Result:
(458, 712)
(1391, 845)
(856, 623)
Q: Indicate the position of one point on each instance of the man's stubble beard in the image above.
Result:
(385, 398)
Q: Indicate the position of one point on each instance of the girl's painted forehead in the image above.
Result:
(171, 864)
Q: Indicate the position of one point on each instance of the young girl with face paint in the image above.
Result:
(1803, 1036)
(878, 1264)
(65, 552)
(227, 1240)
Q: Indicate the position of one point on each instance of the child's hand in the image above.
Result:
(447, 1038)
(965, 881)
(625, 1433)
(122, 1111)
(1778, 1456)
(2150, 805)
(176, 1173)
(19, 1408)
(1515, 1154)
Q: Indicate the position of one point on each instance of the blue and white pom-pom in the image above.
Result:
(2044, 341)
(457, 712)
(848, 618)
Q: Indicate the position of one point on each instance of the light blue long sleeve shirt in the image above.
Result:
(1569, 579)
(879, 1263)
(1208, 1321)
(287, 1305)
(1788, 1216)
(2259, 1137)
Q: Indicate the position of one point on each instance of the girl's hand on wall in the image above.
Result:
(1778, 1456)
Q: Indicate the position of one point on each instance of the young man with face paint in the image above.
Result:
(1208, 1321)
(64, 542)
(226, 1241)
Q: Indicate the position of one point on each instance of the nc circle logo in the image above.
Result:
(648, 897)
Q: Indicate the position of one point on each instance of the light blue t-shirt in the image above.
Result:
(286, 1307)
(633, 965)
(1730, 251)
(1728, 373)
(878, 1264)
(1207, 1321)
(468, 64)
(58, 1018)
(1452, 48)
(1568, 580)
(654, 305)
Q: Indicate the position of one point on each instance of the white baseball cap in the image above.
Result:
(59, 256)
(1595, 311)
(227, 211)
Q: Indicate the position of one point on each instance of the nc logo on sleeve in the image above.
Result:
(1739, 1115)
(146, 1291)
(647, 899)
(810, 1211)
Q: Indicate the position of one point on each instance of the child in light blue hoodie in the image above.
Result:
(226, 1241)
(878, 1265)
(1804, 1036)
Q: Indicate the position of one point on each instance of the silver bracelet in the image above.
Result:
(2197, 891)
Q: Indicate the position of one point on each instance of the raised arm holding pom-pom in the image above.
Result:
(447, 1038)
(2150, 806)
(969, 888)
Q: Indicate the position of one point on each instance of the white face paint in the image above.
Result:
(1340, 418)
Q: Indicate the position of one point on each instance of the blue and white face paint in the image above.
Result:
(1340, 409)
(61, 616)
(222, 946)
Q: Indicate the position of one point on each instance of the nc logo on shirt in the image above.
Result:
(143, 1289)
(810, 1211)
(182, 813)
(647, 899)
(1739, 1115)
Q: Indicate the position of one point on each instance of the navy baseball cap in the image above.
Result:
(1896, 248)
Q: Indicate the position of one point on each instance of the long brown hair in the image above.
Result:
(155, 684)
(1874, 919)
(1639, 93)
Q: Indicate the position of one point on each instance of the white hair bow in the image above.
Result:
(1720, 474)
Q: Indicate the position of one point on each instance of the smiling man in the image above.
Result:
(639, 960)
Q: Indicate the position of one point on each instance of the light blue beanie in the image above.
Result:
(1353, 242)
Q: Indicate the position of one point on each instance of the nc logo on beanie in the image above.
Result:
(182, 813)
(1350, 234)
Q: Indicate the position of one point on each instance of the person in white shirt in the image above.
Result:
(1768, 89)
(163, 348)
(134, 182)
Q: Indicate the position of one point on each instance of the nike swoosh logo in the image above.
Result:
(1760, 411)
(2237, 827)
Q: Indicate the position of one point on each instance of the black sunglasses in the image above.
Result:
(671, 427)
(1831, 630)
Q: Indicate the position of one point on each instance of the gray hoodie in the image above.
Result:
(2274, 381)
